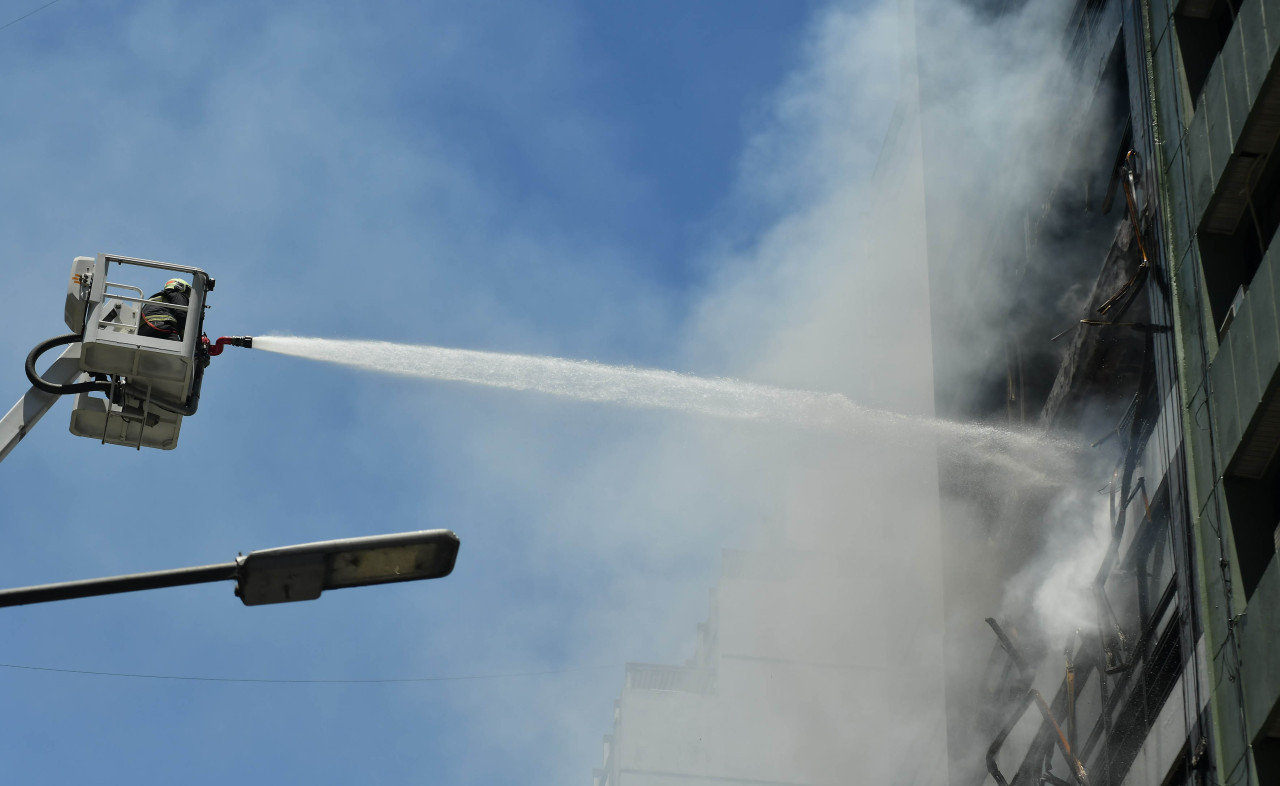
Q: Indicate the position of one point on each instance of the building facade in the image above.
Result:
(1167, 200)
(1126, 297)
(788, 686)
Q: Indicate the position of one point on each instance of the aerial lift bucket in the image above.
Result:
(135, 388)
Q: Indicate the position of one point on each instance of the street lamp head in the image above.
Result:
(302, 572)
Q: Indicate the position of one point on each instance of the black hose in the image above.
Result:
(185, 409)
(59, 390)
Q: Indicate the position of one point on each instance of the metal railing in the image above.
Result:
(113, 308)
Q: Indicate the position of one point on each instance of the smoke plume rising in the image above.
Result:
(836, 295)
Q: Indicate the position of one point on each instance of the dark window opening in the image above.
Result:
(1254, 506)
(1202, 27)
(1266, 755)
(1231, 260)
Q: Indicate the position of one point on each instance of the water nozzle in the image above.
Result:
(235, 341)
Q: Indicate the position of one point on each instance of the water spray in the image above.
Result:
(1032, 456)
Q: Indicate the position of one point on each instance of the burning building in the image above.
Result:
(1158, 211)
(1093, 199)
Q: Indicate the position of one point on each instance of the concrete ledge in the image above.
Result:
(1244, 377)
(1259, 653)
(1237, 119)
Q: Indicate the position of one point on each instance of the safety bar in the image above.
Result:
(128, 299)
(193, 271)
(122, 286)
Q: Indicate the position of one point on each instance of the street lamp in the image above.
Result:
(285, 574)
(301, 572)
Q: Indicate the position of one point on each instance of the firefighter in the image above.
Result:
(160, 321)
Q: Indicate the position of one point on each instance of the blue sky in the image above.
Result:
(654, 183)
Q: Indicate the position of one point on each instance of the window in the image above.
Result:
(1202, 27)
(1254, 505)
(1237, 230)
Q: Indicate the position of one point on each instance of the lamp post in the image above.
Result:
(285, 574)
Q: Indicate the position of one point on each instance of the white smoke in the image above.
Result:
(836, 295)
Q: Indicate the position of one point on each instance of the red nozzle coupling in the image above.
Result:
(235, 341)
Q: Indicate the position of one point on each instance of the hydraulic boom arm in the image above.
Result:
(31, 407)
